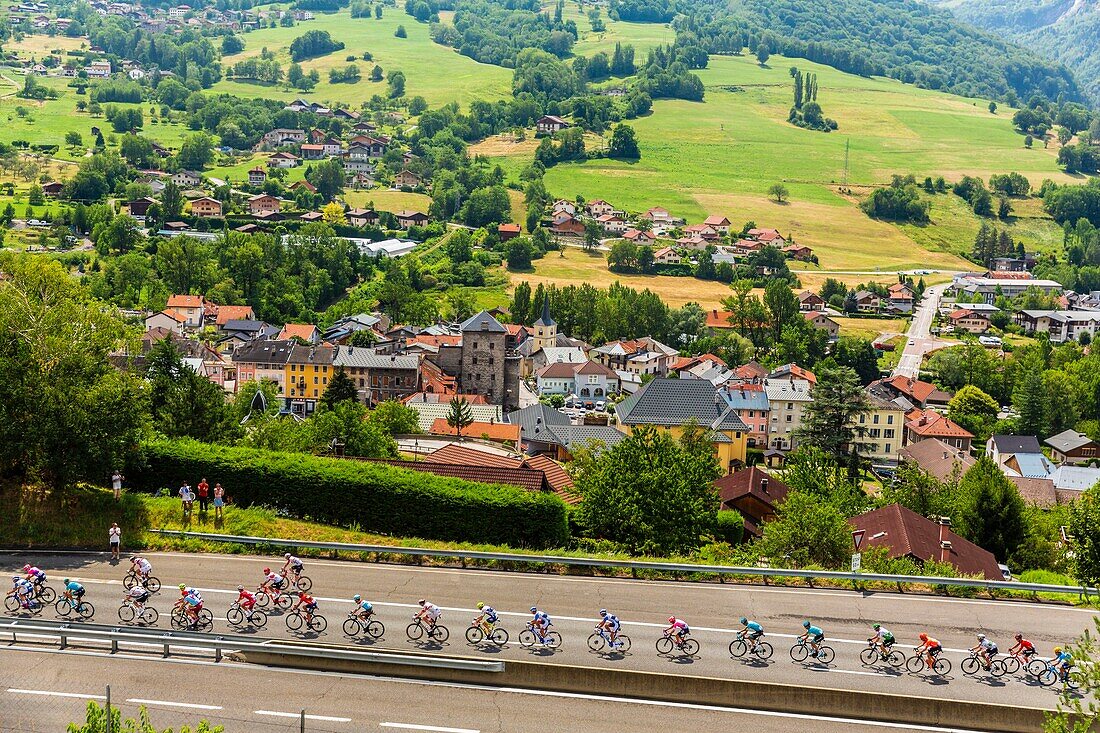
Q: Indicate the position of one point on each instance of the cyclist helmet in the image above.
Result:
(287, 556)
(923, 636)
(743, 620)
(65, 581)
(1019, 636)
(480, 605)
(267, 570)
(421, 602)
(805, 624)
(182, 586)
(26, 568)
(534, 609)
(240, 587)
(672, 619)
(981, 637)
(603, 611)
(1057, 650)
(15, 578)
(357, 598)
(876, 627)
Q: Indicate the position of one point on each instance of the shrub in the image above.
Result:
(380, 498)
(731, 526)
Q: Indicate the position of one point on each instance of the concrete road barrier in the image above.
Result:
(830, 702)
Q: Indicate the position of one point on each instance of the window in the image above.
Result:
(874, 418)
(789, 419)
(492, 346)
(790, 405)
(315, 379)
(889, 419)
(888, 433)
(473, 361)
(593, 378)
(887, 448)
(874, 432)
(314, 393)
(862, 419)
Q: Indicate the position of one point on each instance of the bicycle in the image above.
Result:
(14, 605)
(237, 616)
(684, 643)
(152, 582)
(940, 665)
(280, 600)
(302, 582)
(972, 664)
(873, 653)
(1049, 675)
(66, 605)
(475, 634)
(436, 632)
(529, 637)
(128, 613)
(741, 646)
(601, 639)
(44, 594)
(1017, 660)
(204, 620)
(801, 651)
(297, 619)
(354, 625)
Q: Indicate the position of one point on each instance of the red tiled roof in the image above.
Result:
(524, 478)
(488, 430)
(750, 482)
(918, 390)
(719, 319)
(593, 367)
(715, 220)
(930, 424)
(185, 301)
(513, 228)
(436, 339)
(687, 362)
(461, 455)
(1038, 492)
(304, 331)
(558, 478)
(557, 370)
(234, 313)
(750, 370)
(906, 533)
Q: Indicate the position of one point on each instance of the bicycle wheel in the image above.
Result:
(179, 620)
(1075, 680)
(738, 647)
(942, 667)
(499, 636)
(318, 624)
(691, 647)
(799, 652)
(895, 658)
(440, 633)
(283, 602)
(664, 645)
(1035, 667)
(623, 644)
(149, 616)
(152, 584)
(1047, 677)
(46, 595)
(262, 599)
(414, 631)
(868, 656)
(969, 665)
(764, 650)
(352, 627)
(85, 609)
(553, 640)
(62, 607)
(129, 580)
(826, 655)
(294, 621)
(235, 616)
(474, 635)
(914, 664)
(126, 613)
(1011, 665)
(258, 619)
(997, 668)
(527, 638)
(11, 604)
(304, 583)
(596, 642)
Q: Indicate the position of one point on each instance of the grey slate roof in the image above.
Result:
(264, 352)
(534, 419)
(671, 402)
(784, 390)
(484, 322)
(350, 356)
(1017, 444)
(572, 437)
(1068, 440)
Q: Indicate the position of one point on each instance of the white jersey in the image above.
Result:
(144, 566)
(138, 591)
(433, 610)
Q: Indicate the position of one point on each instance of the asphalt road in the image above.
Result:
(919, 340)
(644, 606)
(42, 691)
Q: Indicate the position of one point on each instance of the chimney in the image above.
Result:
(945, 455)
(764, 485)
(945, 544)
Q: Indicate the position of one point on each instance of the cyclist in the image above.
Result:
(609, 622)
(307, 603)
(486, 618)
(752, 631)
(930, 648)
(428, 613)
(363, 609)
(73, 591)
(540, 623)
(246, 600)
(23, 591)
(292, 567)
(986, 649)
(678, 629)
(1023, 647)
(1062, 663)
(141, 568)
(137, 596)
(882, 638)
(273, 583)
(35, 576)
(190, 602)
(814, 636)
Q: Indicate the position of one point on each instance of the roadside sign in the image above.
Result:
(857, 562)
(857, 538)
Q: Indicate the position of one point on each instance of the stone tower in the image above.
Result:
(546, 329)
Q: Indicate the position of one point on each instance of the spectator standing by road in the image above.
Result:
(116, 484)
(116, 540)
(204, 496)
(219, 500)
(185, 497)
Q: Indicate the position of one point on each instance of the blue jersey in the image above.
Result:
(541, 618)
(366, 606)
(612, 620)
(753, 626)
(490, 613)
(1063, 657)
(814, 631)
(75, 587)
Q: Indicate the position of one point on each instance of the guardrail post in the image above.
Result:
(108, 708)
(114, 641)
(64, 637)
(167, 645)
(218, 649)
(302, 727)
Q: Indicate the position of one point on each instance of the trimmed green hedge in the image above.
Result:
(378, 498)
(731, 526)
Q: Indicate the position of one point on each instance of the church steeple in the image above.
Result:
(546, 330)
(545, 320)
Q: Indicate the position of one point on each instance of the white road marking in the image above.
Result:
(165, 703)
(50, 693)
(412, 726)
(845, 671)
(325, 718)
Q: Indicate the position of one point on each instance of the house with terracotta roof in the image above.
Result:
(968, 320)
(810, 301)
(918, 393)
(767, 236)
(717, 319)
(190, 307)
(205, 206)
(305, 331)
(644, 355)
(818, 319)
(496, 432)
(702, 231)
(226, 313)
(941, 461)
(639, 237)
(904, 533)
(666, 256)
(599, 208)
(588, 379)
(792, 372)
(751, 372)
(263, 204)
(686, 364)
(470, 455)
(901, 297)
(507, 231)
(924, 424)
(718, 223)
(566, 224)
(754, 493)
(166, 320)
(283, 160)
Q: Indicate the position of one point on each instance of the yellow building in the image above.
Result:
(883, 428)
(307, 374)
(671, 404)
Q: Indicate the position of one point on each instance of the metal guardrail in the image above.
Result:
(67, 633)
(637, 565)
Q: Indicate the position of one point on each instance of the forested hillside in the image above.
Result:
(1063, 30)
